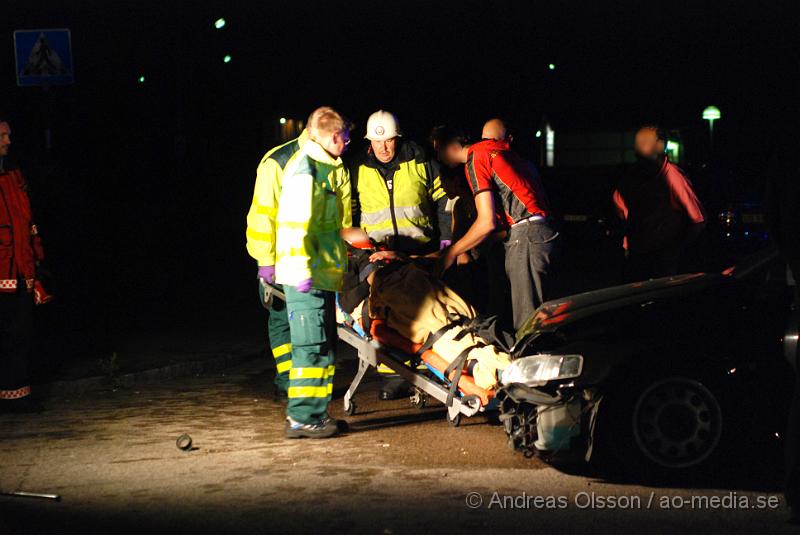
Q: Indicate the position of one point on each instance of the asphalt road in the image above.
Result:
(111, 455)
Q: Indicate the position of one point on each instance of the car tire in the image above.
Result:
(676, 423)
(672, 427)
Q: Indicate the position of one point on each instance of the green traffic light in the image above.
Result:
(140, 79)
(227, 58)
(552, 66)
(219, 23)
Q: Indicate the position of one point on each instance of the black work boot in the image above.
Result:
(323, 429)
(394, 388)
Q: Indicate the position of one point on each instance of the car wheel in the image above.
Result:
(676, 423)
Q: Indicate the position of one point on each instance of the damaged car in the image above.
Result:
(665, 374)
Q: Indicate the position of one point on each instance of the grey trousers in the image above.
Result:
(532, 250)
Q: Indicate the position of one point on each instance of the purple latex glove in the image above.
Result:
(267, 273)
(444, 244)
(304, 286)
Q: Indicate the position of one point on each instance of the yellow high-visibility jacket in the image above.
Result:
(314, 206)
(261, 219)
(402, 205)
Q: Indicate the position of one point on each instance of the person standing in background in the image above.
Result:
(660, 208)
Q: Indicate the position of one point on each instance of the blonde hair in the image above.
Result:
(326, 120)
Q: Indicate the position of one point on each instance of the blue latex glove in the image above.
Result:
(304, 286)
(267, 273)
(444, 244)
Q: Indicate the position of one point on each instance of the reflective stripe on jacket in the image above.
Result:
(314, 206)
(403, 202)
(261, 219)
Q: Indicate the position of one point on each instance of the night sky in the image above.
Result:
(618, 63)
(144, 193)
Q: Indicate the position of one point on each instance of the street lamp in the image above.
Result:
(711, 114)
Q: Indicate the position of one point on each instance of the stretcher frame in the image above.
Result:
(371, 353)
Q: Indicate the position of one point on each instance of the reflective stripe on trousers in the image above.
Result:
(283, 363)
(312, 324)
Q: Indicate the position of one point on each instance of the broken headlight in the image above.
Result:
(537, 370)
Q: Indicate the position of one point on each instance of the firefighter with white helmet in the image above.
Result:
(398, 199)
(398, 192)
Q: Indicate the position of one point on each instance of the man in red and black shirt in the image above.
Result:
(20, 252)
(661, 210)
(508, 195)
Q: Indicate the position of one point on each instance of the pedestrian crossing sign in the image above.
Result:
(44, 57)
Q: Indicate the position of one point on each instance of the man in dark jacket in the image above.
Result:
(783, 217)
(661, 210)
(20, 253)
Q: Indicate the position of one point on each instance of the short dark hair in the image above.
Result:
(444, 135)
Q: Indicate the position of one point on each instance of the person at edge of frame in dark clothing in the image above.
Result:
(20, 254)
(509, 195)
(783, 220)
(660, 208)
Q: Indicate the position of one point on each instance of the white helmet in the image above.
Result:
(382, 125)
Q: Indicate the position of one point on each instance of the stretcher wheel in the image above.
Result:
(351, 408)
(454, 421)
(419, 399)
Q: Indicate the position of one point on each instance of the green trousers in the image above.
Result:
(312, 323)
(279, 339)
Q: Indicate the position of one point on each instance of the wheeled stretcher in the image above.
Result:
(384, 345)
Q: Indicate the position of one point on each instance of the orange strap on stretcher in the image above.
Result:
(388, 336)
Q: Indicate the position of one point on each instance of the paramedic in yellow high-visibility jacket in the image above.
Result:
(261, 237)
(313, 208)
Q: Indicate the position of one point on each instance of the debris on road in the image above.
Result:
(24, 494)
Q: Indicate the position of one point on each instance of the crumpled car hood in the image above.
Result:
(555, 314)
